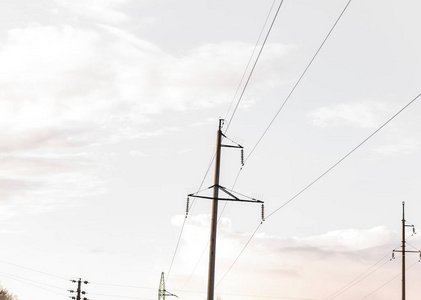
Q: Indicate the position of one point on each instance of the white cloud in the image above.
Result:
(401, 147)
(297, 267)
(359, 115)
(64, 87)
(99, 10)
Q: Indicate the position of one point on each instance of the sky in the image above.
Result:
(109, 116)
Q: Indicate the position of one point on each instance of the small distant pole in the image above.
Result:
(404, 251)
(79, 291)
(162, 292)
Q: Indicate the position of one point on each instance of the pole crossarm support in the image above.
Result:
(231, 146)
(229, 193)
(406, 251)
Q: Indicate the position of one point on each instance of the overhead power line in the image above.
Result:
(257, 59)
(344, 157)
(33, 270)
(321, 176)
(239, 100)
(389, 281)
(299, 80)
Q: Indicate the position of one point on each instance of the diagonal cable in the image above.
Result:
(299, 79)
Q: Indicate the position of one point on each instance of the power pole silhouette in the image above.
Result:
(216, 188)
(162, 292)
(79, 291)
(404, 251)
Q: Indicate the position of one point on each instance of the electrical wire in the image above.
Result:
(344, 157)
(322, 175)
(25, 281)
(119, 296)
(251, 72)
(257, 59)
(388, 281)
(298, 81)
(254, 296)
(356, 281)
(122, 285)
(248, 63)
(242, 250)
(33, 270)
(11, 276)
(347, 286)
(184, 221)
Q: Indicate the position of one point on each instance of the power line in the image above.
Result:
(123, 285)
(11, 276)
(248, 63)
(251, 72)
(388, 281)
(344, 157)
(255, 296)
(257, 59)
(299, 80)
(244, 248)
(119, 296)
(184, 221)
(33, 270)
(322, 175)
(357, 280)
(25, 281)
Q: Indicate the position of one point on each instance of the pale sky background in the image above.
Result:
(109, 112)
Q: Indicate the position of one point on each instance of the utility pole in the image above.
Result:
(79, 291)
(212, 249)
(162, 292)
(214, 219)
(404, 251)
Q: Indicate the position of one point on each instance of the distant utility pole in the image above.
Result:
(79, 291)
(162, 292)
(216, 187)
(404, 251)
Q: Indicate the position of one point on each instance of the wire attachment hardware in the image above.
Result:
(263, 212)
(187, 206)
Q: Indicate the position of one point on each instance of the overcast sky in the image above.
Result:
(109, 113)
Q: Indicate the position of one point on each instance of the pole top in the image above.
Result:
(221, 123)
(403, 202)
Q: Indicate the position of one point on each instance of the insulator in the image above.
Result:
(263, 212)
(413, 230)
(242, 156)
(187, 206)
(393, 255)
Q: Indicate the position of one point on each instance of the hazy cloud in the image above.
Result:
(359, 115)
(99, 10)
(290, 261)
(63, 86)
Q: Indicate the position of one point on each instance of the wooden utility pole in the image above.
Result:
(79, 291)
(212, 249)
(404, 251)
(230, 196)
